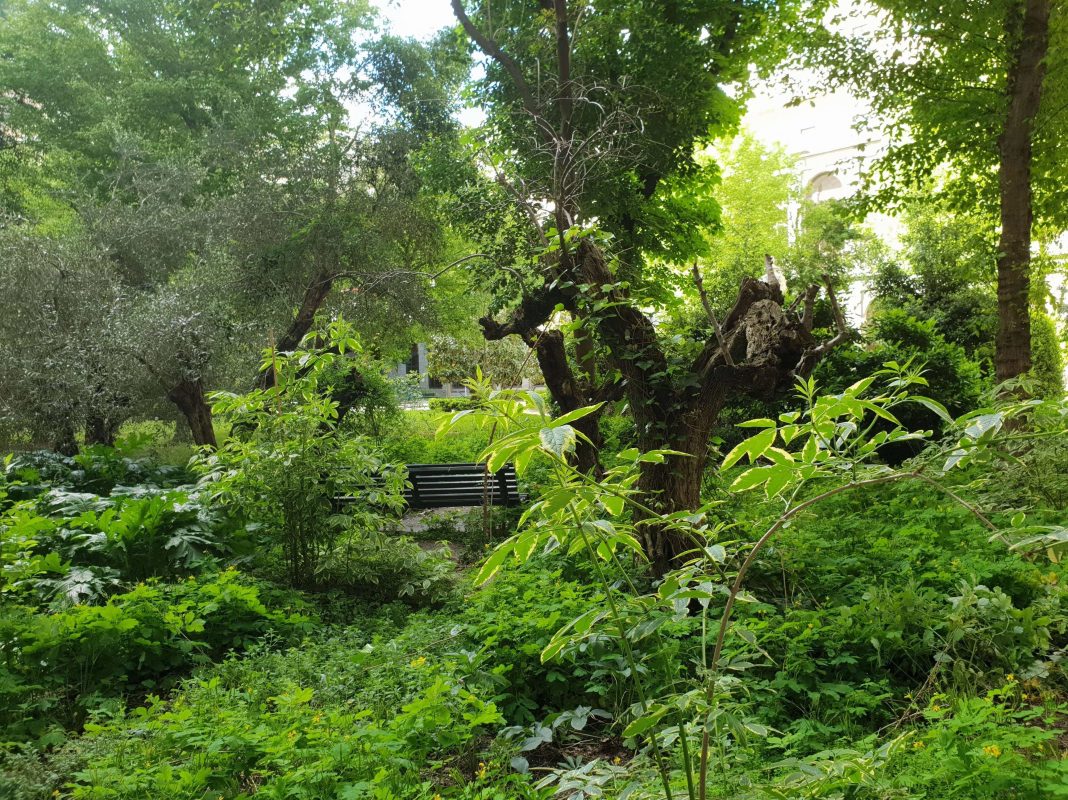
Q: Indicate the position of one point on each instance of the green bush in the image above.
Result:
(96, 469)
(512, 620)
(452, 403)
(288, 462)
(385, 567)
(954, 379)
(415, 440)
(291, 747)
(67, 547)
(143, 638)
(985, 748)
(1047, 358)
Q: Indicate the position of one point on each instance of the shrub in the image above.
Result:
(137, 639)
(953, 379)
(415, 440)
(96, 469)
(74, 547)
(386, 567)
(452, 403)
(1047, 359)
(293, 747)
(290, 461)
(985, 748)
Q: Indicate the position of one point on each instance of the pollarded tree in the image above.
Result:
(595, 114)
(981, 87)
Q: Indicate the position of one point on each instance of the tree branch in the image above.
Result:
(812, 357)
(563, 66)
(490, 47)
(711, 315)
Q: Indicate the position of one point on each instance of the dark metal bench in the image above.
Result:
(445, 485)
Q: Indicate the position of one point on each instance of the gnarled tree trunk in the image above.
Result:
(100, 429)
(759, 349)
(188, 395)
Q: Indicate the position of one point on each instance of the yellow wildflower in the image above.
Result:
(1010, 678)
(418, 662)
(481, 769)
(918, 745)
(992, 750)
(617, 760)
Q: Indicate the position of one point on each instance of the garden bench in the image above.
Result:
(446, 485)
(453, 485)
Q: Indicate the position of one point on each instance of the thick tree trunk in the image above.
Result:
(314, 297)
(64, 441)
(188, 395)
(310, 303)
(1026, 73)
(569, 394)
(100, 429)
(675, 484)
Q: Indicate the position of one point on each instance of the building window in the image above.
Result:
(821, 185)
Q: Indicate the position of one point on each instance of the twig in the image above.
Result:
(839, 317)
(711, 315)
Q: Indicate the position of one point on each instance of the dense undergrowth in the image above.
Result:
(887, 643)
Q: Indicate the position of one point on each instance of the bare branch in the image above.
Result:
(563, 66)
(812, 357)
(490, 47)
(839, 317)
(711, 315)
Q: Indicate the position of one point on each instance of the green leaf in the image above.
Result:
(553, 648)
(613, 504)
(578, 413)
(496, 560)
(750, 479)
(645, 722)
(763, 422)
(779, 477)
(754, 447)
(558, 440)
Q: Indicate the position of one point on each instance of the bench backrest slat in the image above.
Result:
(445, 485)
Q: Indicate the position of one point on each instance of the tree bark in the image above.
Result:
(188, 395)
(1026, 73)
(100, 429)
(314, 296)
(570, 394)
(675, 484)
(64, 441)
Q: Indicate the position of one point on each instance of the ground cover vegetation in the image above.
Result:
(766, 550)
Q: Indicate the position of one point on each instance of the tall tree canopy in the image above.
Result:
(209, 154)
(975, 95)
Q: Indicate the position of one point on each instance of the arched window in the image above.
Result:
(823, 184)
